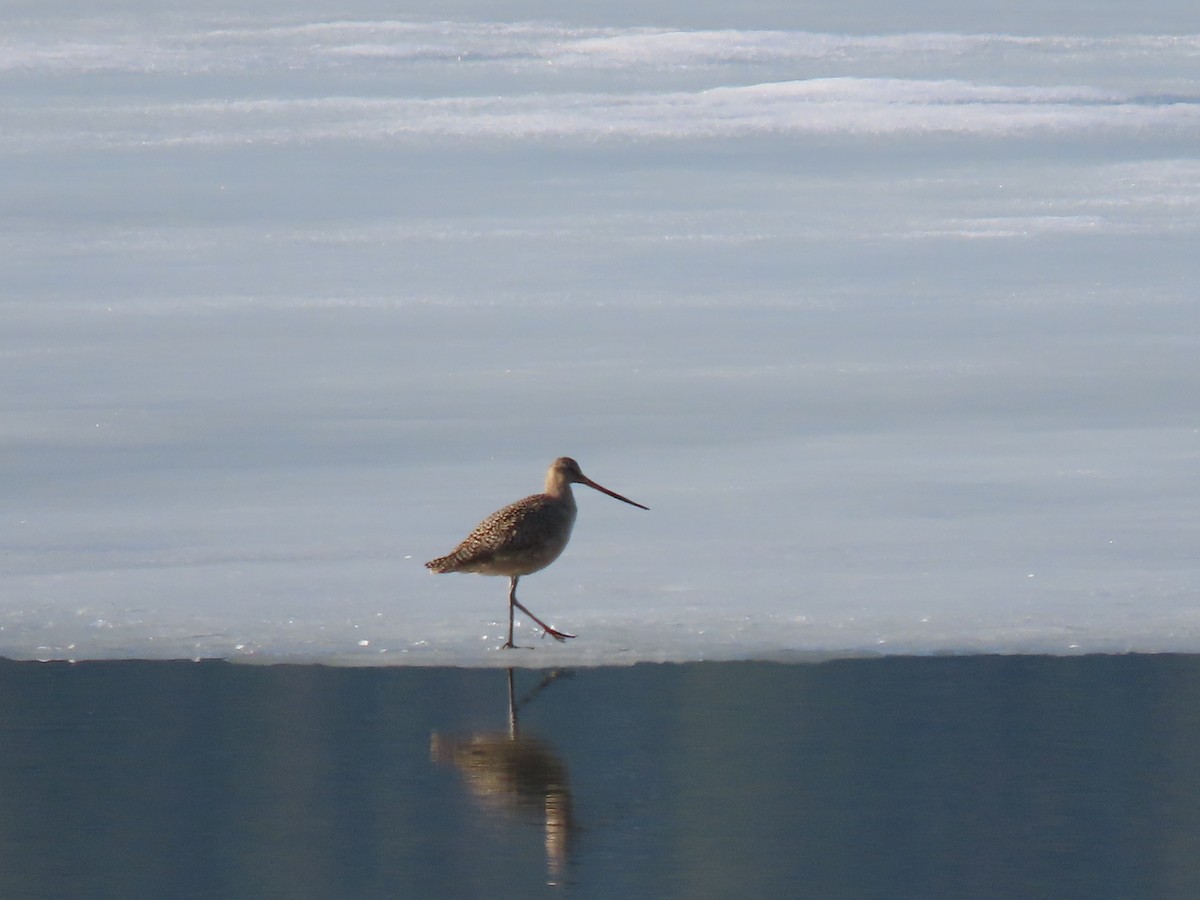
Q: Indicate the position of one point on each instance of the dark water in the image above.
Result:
(1005, 777)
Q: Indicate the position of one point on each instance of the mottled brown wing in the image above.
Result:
(517, 528)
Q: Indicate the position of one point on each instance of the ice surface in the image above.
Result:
(892, 322)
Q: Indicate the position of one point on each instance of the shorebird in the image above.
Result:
(524, 537)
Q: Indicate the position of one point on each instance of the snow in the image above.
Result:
(892, 322)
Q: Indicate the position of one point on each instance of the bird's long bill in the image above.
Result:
(605, 490)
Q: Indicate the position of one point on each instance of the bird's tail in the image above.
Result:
(442, 564)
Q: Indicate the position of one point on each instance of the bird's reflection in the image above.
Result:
(520, 776)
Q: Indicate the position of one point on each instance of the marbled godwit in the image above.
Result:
(525, 537)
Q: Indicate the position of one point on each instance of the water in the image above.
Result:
(887, 312)
(973, 777)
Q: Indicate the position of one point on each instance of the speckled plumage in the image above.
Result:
(524, 537)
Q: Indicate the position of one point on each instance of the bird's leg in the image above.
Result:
(512, 599)
(553, 632)
(515, 604)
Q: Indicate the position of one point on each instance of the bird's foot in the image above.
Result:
(546, 629)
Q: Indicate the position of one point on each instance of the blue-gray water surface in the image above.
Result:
(966, 777)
